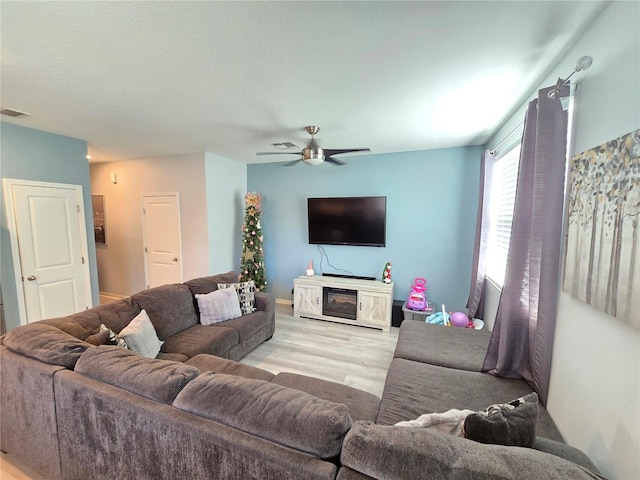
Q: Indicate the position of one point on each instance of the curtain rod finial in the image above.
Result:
(583, 63)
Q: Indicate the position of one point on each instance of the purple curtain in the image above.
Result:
(522, 338)
(475, 304)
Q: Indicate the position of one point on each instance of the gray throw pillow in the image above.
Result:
(512, 423)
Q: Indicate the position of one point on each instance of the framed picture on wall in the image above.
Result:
(602, 260)
(99, 219)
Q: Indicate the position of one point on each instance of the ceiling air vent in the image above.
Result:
(13, 113)
(284, 145)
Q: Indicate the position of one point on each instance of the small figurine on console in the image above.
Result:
(386, 274)
(310, 272)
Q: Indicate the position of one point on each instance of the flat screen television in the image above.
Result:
(347, 221)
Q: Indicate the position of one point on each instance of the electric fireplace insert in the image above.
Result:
(339, 302)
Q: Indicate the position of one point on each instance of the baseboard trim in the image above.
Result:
(106, 297)
(283, 301)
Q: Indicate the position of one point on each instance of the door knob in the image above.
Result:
(174, 259)
(31, 278)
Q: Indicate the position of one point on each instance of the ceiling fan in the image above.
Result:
(313, 154)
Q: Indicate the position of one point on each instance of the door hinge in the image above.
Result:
(145, 249)
(86, 308)
(144, 211)
(78, 208)
(82, 260)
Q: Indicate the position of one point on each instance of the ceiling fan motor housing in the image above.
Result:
(313, 154)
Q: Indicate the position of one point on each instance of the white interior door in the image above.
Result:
(49, 247)
(162, 239)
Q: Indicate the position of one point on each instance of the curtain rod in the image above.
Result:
(507, 137)
(582, 64)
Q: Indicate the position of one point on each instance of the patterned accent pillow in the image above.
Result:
(106, 336)
(512, 423)
(246, 295)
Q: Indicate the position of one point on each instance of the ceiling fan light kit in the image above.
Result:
(313, 154)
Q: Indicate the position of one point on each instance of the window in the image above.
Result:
(503, 194)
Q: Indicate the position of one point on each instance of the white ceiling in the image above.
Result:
(145, 79)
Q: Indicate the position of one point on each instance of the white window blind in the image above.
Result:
(503, 194)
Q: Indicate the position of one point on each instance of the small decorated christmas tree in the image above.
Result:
(252, 260)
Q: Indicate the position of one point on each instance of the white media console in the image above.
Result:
(352, 301)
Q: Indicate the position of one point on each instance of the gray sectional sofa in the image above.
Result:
(72, 410)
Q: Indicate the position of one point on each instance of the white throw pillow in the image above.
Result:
(141, 337)
(218, 306)
(246, 294)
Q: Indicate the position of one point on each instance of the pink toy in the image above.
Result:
(417, 297)
(459, 319)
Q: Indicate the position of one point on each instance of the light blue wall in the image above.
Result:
(28, 154)
(226, 183)
(432, 198)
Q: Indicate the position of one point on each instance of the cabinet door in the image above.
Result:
(372, 308)
(307, 299)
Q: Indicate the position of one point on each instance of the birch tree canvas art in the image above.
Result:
(602, 267)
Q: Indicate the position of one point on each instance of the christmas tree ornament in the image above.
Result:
(252, 261)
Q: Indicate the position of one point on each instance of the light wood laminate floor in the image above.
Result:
(346, 354)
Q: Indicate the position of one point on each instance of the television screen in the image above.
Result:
(347, 221)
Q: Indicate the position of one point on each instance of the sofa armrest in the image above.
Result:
(265, 302)
(565, 451)
(389, 452)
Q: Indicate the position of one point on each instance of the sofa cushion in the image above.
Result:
(46, 343)
(212, 339)
(512, 423)
(159, 380)
(565, 451)
(103, 337)
(115, 315)
(414, 388)
(174, 357)
(209, 284)
(170, 308)
(247, 325)
(141, 337)
(362, 405)
(211, 363)
(218, 306)
(246, 292)
(418, 453)
(461, 348)
(279, 414)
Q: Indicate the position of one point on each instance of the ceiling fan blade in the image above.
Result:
(279, 153)
(334, 161)
(292, 163)
(328, 152)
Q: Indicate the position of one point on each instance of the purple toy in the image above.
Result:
(459, 319)
(417, 297)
